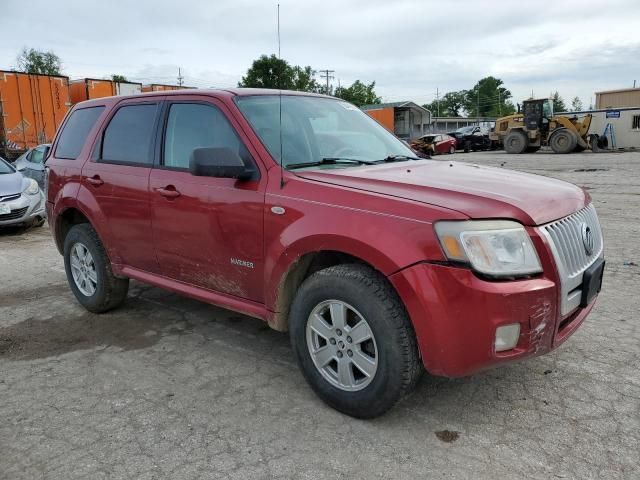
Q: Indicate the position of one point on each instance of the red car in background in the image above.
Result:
(435, 143)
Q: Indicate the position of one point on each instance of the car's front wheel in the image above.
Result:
(353, 340)
(89, 271)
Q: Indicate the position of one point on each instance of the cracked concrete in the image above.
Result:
(167, 387)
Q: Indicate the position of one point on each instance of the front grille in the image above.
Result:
(14, 214)
(8, 198)
(567, 245)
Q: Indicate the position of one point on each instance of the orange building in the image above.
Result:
(32, 107)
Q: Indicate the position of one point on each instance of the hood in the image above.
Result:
(10, 184)
(476, 191)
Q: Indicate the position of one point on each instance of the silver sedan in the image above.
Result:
(21, 200)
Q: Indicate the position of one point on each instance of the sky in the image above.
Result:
(412, 49)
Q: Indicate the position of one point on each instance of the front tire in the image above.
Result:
(89, 271)
(516, 142)
(353, 340)
(563, 141)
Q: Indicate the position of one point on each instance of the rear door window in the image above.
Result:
(75, 132)
(128, 137)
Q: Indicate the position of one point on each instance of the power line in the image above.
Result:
(326, 74)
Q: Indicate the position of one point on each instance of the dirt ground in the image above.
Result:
(167, 387)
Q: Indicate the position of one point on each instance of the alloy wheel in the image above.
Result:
(83, 269)
(342, 345)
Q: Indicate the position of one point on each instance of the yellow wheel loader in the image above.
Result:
(536, 125)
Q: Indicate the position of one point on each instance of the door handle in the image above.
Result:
(169, 191)
(95, 180)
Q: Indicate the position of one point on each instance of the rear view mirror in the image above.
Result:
(218, 162)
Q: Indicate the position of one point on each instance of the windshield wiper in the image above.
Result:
(331, 161)
(395, 158)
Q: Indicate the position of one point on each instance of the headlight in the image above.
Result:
(31, 188)
(497, 248)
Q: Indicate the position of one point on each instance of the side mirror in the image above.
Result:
(46, 152)
(218, 162)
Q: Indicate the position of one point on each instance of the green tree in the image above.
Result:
(450, 105)
(273, 72)
(303, 80)
(118, 78)
(488, 98)
(576, 104)
(359, 93)
(39, 62)
(558, 103)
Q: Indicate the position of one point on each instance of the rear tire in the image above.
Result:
(363, 297)
(452, 150)
(563, 141)
(516, 142)
(89, 271)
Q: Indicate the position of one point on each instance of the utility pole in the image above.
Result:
(438, 101)
(499, 103)
(478, 106)
(326, 74)
(180, 77)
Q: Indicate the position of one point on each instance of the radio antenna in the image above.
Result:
(280, 105)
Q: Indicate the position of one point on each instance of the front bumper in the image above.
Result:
(455, 315)
(24, 209)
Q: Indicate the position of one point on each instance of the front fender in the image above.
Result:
(387, 243)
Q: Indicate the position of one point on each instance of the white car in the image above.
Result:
(31, 163)
(21, 199)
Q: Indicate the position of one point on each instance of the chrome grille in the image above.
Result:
(567, 245)
(8, 198)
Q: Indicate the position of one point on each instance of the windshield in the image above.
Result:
(5, 167)
(465, 130)
(314, 128)
(428, 138)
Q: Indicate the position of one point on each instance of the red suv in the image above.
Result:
(302, 211)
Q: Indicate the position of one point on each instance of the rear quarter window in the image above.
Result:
(75, 131)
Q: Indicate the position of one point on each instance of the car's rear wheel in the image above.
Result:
(452, 149)
(353, 340)
(89, 271)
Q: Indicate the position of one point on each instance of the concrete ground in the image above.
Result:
(167, 387)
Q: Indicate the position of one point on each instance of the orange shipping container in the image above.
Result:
(89, 88)
(32, 107)
(384, 116)
(156, 87)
